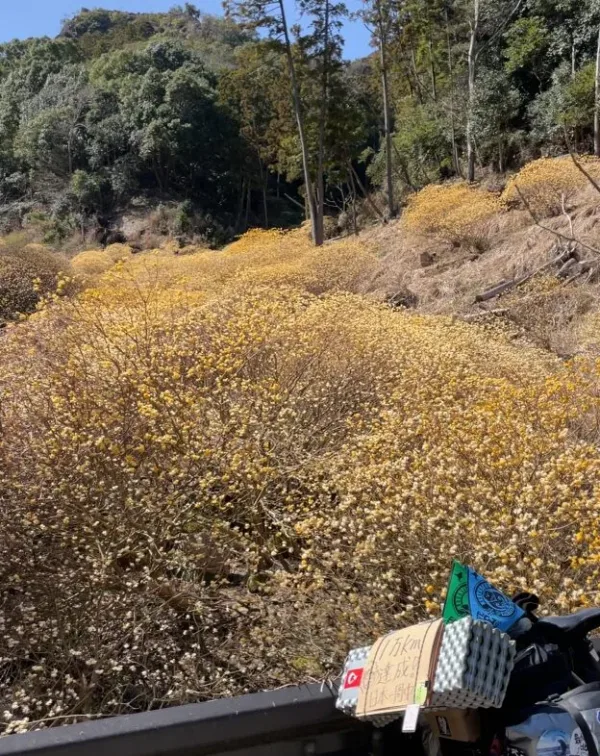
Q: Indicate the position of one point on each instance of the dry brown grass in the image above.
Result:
(28, 272)
(550, 313)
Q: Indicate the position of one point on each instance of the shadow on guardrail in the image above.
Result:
(294, 721)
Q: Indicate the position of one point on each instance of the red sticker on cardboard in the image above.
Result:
(354, 678)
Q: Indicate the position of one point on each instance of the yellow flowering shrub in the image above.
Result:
(93, 262)
(546, 181)
(453, 211)
(219, 471)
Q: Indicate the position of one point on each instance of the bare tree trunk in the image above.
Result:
(156, 171)
(366, 194)
(353, 189)
(455, 158)
(248, 201)
(310, 196)
(322, 119)
(265, 209)
(432, 71)
(472, 69)
(473, 55)
(264, 178)
(70, 152)
(416, 75)
(298, 204)
(597, 101)
(403, 172)
(408, 77)
(387, 120)
(573, 58)
(240, 211)
(477, 154)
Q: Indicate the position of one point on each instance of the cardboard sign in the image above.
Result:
(399, 670)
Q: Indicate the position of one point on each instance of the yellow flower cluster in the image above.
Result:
(547, 181)
(449, 209)
(219, 471)
(93, 262)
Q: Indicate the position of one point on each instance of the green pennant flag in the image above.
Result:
(470, 594)
(456, 605)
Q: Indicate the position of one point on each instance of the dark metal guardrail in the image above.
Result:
(295, 721)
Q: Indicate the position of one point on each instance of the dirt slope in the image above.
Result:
(446, 275)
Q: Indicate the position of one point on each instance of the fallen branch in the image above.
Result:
(588, 176)
(585, 266)
(512, 283)
(566, 214)
(367, 196)
(574, 277)
(295, 201)
(565, 267)
(558, 234)
(496, 290)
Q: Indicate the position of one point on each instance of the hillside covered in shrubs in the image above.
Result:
(229, 451)
(219, 470)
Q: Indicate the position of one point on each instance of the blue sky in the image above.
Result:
(34, 18)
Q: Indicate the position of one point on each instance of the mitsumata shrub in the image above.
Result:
(93, 262)
(548, 182)
(452, 211)
(219, 471)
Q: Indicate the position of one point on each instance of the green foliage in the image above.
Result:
(421, 149)
(136, 119)
(495, 108)
(255, 91)
(578, 105)
(182, 222)
(181, 107)
(568, 104)
(527, 42)
(86, 189)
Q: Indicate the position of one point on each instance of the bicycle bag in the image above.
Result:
(564, 725)
(541, 671)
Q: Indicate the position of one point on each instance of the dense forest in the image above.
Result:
(226, 123)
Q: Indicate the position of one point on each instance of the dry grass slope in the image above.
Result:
(446, 270)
